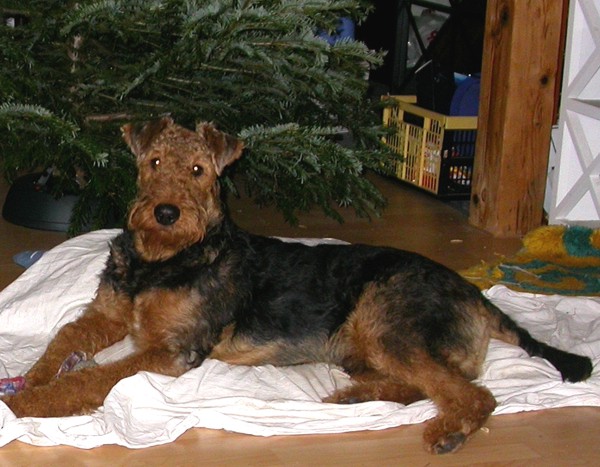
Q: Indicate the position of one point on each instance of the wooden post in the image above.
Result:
(519, 73)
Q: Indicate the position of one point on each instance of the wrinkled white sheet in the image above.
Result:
(149, 409)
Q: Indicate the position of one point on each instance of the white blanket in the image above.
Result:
(149, 409)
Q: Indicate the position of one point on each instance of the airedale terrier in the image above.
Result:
(187, 284)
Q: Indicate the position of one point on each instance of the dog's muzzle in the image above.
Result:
(166, 214)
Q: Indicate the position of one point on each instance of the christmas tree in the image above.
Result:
(73, 72)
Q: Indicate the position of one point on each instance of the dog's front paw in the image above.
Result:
(55, 399)
(27, 404)
(30, 403)
(13, 404)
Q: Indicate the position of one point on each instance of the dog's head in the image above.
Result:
(178, 192)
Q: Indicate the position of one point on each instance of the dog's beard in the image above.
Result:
(155, 242)
(160, 245)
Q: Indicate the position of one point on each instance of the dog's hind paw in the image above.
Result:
(350, 395)
(342, 400)
(448, 443)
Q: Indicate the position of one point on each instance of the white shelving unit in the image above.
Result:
(573, 190)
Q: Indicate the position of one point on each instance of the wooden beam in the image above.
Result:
(521, 46)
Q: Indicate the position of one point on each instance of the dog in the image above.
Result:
(188, 284)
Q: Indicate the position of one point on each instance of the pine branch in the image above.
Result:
(256, 68)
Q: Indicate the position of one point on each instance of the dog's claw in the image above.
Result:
(449, 443)
(345, 400)
(193, 359)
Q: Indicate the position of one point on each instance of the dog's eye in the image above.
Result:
(154, 163)
(197, 170)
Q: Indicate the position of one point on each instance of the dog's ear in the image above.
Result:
(140, 137)
(226, 149)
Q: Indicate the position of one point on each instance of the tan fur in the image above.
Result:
(173, 155)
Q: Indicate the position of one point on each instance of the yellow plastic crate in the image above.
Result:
(436, 151)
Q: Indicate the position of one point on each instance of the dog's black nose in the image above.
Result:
(166, 214)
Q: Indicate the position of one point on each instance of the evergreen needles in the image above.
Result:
(77, 70)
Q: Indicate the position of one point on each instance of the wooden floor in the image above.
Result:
(414, 221)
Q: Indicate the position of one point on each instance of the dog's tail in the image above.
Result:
(572, 367)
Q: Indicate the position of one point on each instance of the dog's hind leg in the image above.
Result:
(463, 407)
(372, 386)
(394, 363)
(102, 324)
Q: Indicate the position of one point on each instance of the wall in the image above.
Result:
(573, 188)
